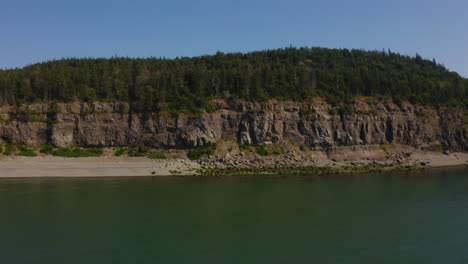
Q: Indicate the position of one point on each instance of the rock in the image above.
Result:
(106, 127)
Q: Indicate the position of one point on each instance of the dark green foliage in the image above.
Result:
(307, 111)
(120, 151)
(9, 149)
(137, 150)
(244, 146)
(398, 101)
(76, 152)
(25, 115)
(419, 113)
(46, 149)
(319, 170)
(263, 151)
(157, 155)
(345, 110)
(26, 153)
(208, 149)
(185, 84)
(1, 149)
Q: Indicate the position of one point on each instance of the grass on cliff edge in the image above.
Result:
(77, 152)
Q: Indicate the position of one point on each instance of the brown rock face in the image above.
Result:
(107, 125)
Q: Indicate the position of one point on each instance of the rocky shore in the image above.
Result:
(233, 163)
(271, 136)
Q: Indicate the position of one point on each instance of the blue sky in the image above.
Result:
(34, 31)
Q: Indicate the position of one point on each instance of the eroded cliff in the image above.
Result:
(107, 124)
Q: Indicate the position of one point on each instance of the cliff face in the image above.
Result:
(108, 125)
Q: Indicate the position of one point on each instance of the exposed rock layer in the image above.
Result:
(108, 124)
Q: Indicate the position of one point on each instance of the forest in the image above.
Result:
(187, 83)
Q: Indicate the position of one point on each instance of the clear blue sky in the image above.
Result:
(34, 31)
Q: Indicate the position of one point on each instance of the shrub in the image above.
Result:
(137, 150)
(303, 148)
(398, 101)
(157, 155)
(46, 149)
(76, 152)
(27, 153)
(346, 110)
(120, 151)
(307, 111)
(9, 149)
(262, 151)
(244, 146)
(208, 149)
(419, 113)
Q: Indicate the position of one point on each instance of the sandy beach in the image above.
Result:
(93, 167)
(110, 166)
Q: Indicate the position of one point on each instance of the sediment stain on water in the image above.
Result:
(398, 217)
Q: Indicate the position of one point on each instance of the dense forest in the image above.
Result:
(152, 84)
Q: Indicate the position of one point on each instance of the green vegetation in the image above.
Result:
(26, 152)
(304, 170)
(307, 111)
(157, 155)
(244, 146)
(120, 151)
(137, 150)
(271, 150)
(419, 113)
(185, 84)
(76, 152)
(175, 172)
(345, 110)
(208, 149)
(9, 149)
(46, 149)
(262, 151)
(19, 149)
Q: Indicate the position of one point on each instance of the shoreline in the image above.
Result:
(110, 166)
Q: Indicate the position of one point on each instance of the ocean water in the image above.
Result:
(399, 217)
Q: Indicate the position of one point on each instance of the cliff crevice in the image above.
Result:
(104, 124)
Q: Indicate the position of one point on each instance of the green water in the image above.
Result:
(406, 217)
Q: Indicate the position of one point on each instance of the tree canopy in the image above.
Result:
(290, 73)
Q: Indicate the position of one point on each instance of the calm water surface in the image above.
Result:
(410, 217)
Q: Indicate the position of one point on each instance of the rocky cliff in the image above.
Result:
(314, 124)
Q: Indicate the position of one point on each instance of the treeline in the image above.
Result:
(186, 83)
